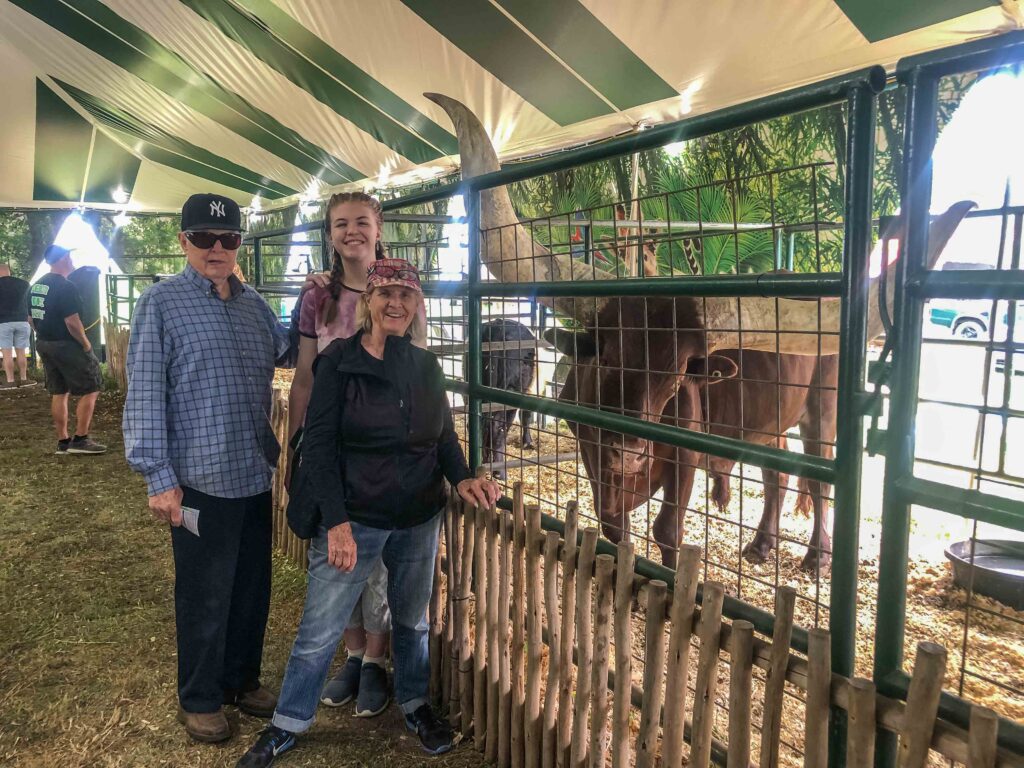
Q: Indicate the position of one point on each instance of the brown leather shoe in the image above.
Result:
(258, 703)
(207, 727)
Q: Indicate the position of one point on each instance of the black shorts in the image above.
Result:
(69, 368)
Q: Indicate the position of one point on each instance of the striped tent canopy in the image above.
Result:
(132, 104)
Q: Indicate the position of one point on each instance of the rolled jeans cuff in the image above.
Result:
(291, 724)
(407, 707)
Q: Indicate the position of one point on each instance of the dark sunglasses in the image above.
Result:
(230, 240)
(382, 270)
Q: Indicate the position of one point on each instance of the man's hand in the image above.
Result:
(479, 491)
(317, 280)
(166, 506)
(341, 547)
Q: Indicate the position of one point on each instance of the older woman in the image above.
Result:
(379, 442)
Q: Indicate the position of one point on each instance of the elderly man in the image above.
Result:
(196, 426)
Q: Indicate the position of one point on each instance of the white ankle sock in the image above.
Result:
(378, 660)
(357, 654)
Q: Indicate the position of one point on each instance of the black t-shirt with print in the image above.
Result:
(51, 300)
(13, 299)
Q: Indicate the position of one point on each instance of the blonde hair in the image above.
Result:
(416, 329)
(330, 309)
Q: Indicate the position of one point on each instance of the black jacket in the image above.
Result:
(376, 447)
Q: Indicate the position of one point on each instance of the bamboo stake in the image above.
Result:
(453, 563)
(504, 672)
(462, 609)
(493, 630)
(435, 633)
(981, 738)
(534, 587)
(922, 705)
(549, 731)
(709, 633)
(480, 633)
(741, 662)
(819, 689)
(623, 655)
(860, 734)
(602, 639)
(682, 610)
(584, 631)
(774, 687)
(517, 740)
(567, 636)
(654, 665)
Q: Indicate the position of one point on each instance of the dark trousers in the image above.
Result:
(221, 598)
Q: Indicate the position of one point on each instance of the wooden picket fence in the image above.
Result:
(507, 594)
(290, 545)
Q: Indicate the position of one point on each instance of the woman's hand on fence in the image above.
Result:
(341, 547)
(166, 506)
(479, 491)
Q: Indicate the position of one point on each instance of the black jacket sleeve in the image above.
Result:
(449, 451)
(320, 442)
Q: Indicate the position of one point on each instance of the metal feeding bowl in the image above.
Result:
(998, 569)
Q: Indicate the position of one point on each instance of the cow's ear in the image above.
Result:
(711, 369)
(574, 344)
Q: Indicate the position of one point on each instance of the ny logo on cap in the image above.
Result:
(217, 208)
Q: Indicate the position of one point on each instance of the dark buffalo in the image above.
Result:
(511, 364)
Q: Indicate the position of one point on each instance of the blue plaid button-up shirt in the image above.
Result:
(200, 372)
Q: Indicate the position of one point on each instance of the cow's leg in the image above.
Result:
(766, 538)
(818, 431)
(668, 529)
(498, 436)
(819, 548)
(525, 417)
(720, 473)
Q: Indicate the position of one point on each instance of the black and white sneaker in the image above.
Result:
(62, 447)
(85, 444)
(344, 686)
(373, 691)
(435, 734)
(26, 383)
(272, 742)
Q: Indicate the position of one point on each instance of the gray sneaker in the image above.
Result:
(373, 691)
(85, 444)
(26, 383)
(344, 686)
(8, 385)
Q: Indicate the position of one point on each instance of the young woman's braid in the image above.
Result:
(337, 266)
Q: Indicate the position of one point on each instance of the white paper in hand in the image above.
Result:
(190, 519)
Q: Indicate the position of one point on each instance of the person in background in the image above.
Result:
(353, 223)
(379, 441)
(15, 329)
(197, 427)
(68, 362)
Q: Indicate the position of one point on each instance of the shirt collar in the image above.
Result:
(207, 286)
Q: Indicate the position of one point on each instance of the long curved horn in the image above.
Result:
(507, 249)
(798, 321)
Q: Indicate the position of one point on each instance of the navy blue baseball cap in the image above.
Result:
(209, 211)
(55, 253)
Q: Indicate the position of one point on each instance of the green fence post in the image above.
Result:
(473, 363)
(920, 132)
(860, 157)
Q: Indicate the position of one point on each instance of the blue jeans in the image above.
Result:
(331, 595)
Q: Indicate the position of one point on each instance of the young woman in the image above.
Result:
(379, 443)
(353, 225)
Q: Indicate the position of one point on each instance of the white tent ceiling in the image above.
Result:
(121, 102)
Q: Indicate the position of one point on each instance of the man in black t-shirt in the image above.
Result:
(14, 328)
(68, 361)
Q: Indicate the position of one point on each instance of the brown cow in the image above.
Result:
(644, 351)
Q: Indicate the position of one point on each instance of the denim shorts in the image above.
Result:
(14, 335)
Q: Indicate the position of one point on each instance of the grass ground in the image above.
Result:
(87, 652)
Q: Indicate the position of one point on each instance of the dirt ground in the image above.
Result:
(87, 676)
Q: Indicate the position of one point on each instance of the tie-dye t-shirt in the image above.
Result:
(311, 315)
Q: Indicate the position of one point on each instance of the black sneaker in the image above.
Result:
(373, 691)
(435, 734)
(8, 385)
(62, 447)
(344, 686)
(25, 383)
(272, 742)
(84, 444)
